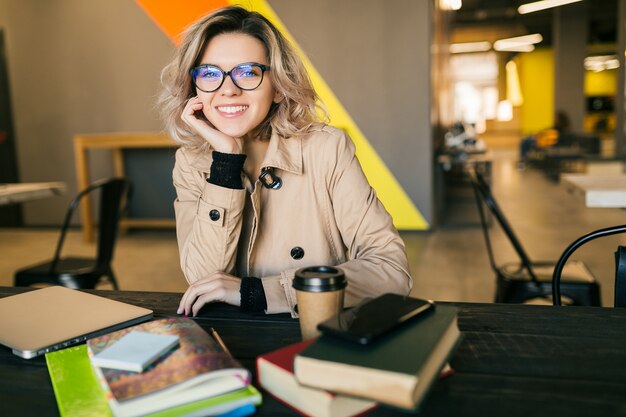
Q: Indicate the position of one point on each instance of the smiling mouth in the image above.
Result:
(232, 109)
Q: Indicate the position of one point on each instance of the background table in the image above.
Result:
(454, 195)
(22, 192)
(598, 190)
(116, 142)
(514, 360)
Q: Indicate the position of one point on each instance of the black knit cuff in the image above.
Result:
(226, 170)
(252, 295)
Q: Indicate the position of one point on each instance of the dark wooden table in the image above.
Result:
(515, 360)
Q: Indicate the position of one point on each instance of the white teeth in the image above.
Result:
(232, 109)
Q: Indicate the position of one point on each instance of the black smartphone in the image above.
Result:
(374, 317)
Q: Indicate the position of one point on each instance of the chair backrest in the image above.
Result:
(113, 196)
(620, 268)
(485, 197)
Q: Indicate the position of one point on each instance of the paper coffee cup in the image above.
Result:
(319, 293)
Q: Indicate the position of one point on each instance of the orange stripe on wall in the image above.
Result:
(173, 18)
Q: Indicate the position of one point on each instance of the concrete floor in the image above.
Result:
(447, 264)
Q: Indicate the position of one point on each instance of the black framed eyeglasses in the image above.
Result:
(209, 78)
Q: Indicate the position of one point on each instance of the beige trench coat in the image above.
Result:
(325, 207)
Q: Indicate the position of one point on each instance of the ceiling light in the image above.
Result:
(542, 5)
(467, 47)
(601, 62)
(514, 48)
(518, 44)
(612, 64)
(450, 4)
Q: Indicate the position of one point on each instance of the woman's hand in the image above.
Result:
(219, 286)
(218, 140)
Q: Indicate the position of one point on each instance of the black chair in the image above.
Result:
(84, 273)
(528, 281)
(620, 264)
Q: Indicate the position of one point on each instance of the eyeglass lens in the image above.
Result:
(246, 76)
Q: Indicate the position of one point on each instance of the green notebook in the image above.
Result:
(397, 370)
(78, 392)
(75, 385)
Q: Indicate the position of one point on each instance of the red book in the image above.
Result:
(275, 375)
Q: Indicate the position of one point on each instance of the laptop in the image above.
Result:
(53, 318)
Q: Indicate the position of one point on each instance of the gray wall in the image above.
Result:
(570, 49)
(83, 66)
(77, 67)
(375, 55)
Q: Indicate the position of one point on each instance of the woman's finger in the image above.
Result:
(200, 302)
(219, 286)
(218, 140)
(205, 285)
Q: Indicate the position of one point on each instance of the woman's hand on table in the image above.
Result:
(217, 287)
(218, 140)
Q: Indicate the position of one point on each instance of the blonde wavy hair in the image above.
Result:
(300, 106)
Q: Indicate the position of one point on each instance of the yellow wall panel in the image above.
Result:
(603, 83)
(537, 79)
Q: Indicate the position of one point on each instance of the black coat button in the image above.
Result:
(297, 252)
(214, 215)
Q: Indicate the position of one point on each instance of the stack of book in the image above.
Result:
(275, 374)
(329, 376)
(169, 367)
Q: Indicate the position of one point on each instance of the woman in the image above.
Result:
(263, 187)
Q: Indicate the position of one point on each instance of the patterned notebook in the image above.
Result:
(198, 369)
